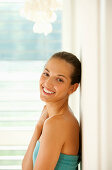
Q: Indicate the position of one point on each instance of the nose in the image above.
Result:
(48, 83)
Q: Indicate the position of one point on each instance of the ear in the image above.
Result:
(73, 88)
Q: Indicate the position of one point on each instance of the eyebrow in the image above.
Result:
(57, 75)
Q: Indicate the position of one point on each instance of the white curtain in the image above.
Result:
(87, 26)
(71, 43)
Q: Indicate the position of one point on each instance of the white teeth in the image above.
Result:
(47, 91)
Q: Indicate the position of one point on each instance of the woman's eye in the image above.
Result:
(60, 80)
(46, 74)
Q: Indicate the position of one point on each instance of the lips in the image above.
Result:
(48, 92)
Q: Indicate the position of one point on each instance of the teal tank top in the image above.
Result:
(65, 162)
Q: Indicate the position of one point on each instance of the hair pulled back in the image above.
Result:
(74, 61)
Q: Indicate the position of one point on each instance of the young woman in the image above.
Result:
(55, 142)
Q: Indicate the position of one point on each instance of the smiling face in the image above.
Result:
(55, 81)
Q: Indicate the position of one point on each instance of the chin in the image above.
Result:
(42, 98)
(45, 100)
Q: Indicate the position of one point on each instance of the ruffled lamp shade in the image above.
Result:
(42, 12)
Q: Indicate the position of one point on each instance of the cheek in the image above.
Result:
(61, 88)
(41, 80)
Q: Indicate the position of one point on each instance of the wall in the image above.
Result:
(87, 26)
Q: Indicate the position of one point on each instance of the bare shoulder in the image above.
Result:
(74, 121)
(62, 124)
(54, 127)
(54, 124)
(64, 131)
(53, 132)
(55, 121)
(50, 145)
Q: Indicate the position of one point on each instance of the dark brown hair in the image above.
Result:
(74, 61)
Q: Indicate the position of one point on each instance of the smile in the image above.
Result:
(47, 91)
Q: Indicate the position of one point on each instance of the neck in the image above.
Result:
(57, 108)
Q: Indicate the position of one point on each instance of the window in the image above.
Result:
(22, 57)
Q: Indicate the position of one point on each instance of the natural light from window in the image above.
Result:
(22, 57)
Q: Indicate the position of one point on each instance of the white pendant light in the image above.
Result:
(42, 12)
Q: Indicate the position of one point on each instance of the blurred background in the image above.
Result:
(81, 27)
(23, 54)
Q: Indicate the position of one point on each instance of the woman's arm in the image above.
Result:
(27, 163)
(52, 140)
